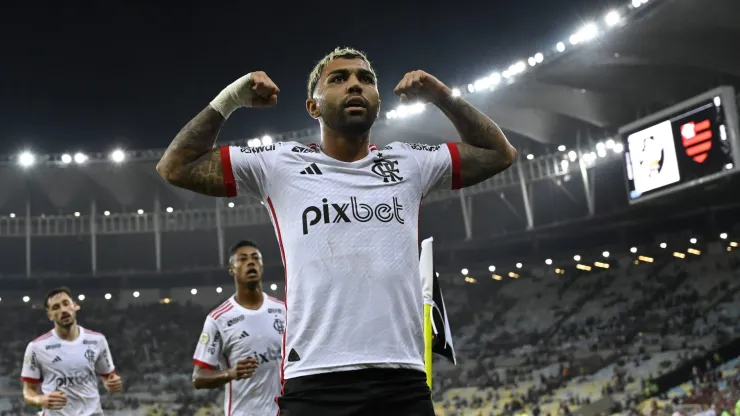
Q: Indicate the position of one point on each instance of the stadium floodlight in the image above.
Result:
(231, 205)
(572, 156)
(136, 294)
(585, 34)
(406, 110)
(605, 254)
(464, 271)
(254, 143)
(538, 57)
(266, 140)
(77, 213)
(106, 213)
(663, 245)
(26, 159)
(610, 144)
(193, 291)
(633, 250)
(66, 158)
(530, 156)
(169, 209)
(495, 78)
(532, 61)
(26, 299)
(490, 269)
(80, 158)
(548, 262)
(564, 165)
(729, 166)
(612, 18)
(482, 84)
(601, 152)
(219, 290)
(12, 215)
(618, 148)
(81, 297)
(117, 156)
(560, 47)
(108, 296)
(273, 286)
(471, 88)
(561, 148)
(140, 211)
(723, 236)
(577, 257)
(456, 92)
(518, 265)
(693, 241)
(636, 3)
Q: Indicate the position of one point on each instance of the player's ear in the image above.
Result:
(76, 307)
(313, 108)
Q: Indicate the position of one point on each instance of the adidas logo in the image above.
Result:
(57, 359)
(293, 356)
(243, 335)
(312, 169)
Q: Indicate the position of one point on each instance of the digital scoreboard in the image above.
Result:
(690, 143)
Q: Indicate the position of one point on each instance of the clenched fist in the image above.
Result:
(244, 369)
(420, 86)
(113, 383)
(255, 89)
(54, 400)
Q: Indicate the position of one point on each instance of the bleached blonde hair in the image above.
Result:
(337, 53)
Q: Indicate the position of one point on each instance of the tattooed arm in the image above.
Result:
(191, 161)
(484, 150)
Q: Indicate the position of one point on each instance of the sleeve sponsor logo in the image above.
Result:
(90, 342)
(427, 147)
(259, 149)
(204, 338)
(216, 341)
(235, 320)
(53, 346)
(274, 310)
(299, 149)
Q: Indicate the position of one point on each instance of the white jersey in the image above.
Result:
(71, 367)
(349, 238)
(232, 333)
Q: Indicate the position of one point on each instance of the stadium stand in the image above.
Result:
(653, 333)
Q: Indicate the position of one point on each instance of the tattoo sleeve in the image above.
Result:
(484, 150)
(191, 161)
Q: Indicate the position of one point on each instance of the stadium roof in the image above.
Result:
(639, 58)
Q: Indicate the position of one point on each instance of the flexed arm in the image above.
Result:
(191, 161)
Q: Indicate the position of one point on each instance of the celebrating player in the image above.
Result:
(240, 347)
(346, 217)
(66, 362)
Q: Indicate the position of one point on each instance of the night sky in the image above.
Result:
(90, 76)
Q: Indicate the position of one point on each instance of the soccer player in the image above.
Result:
(346, 215)
(66, 361)
(240, 347)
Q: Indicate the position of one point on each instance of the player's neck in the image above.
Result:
(248, 298)
(68, 333)
(341, 147)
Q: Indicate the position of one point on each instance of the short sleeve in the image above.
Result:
(209, 346)
(31, 371)
(439, 165)
(104, 365)
(247, 169)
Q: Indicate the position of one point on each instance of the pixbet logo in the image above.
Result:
(335, 213)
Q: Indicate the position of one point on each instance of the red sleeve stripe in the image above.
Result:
(90, 331)
(276, 300)
(31, 380)
(43, 337)
(456, 167)
(202, 364)
(228, 172)
(223, 311)
(106, 375)
(219, 309)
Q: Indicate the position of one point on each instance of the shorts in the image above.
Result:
(368, 392)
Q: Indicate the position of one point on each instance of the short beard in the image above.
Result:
(253, 285)
(337, 121)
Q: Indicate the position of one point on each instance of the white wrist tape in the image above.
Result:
(236, 95)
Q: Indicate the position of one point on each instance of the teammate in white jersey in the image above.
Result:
(67, 361)
(346, 217)
(240, 347)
